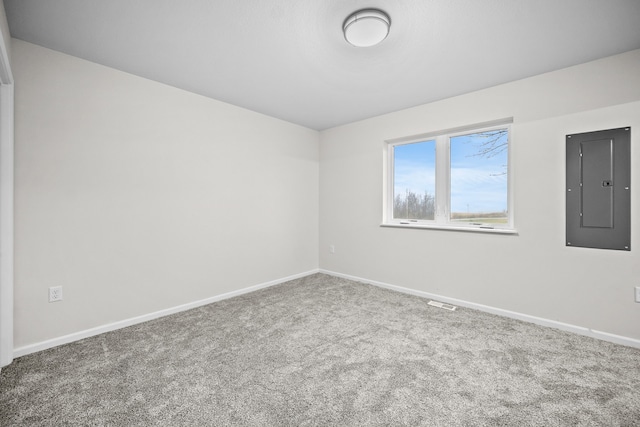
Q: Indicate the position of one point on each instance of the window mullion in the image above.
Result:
(442, 179)
(390, 182)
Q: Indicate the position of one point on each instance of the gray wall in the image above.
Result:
(137, 197)
(531, 273)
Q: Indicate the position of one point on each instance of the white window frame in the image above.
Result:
(443, 181)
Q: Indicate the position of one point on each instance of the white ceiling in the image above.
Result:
(288, 58)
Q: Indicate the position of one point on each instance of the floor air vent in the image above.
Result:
(442, 305)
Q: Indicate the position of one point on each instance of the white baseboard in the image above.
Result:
(76, 336)
(617, 339)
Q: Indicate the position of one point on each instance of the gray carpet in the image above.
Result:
(326, 351)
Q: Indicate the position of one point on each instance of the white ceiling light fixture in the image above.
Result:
(366, 27)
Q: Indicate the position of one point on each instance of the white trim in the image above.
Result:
(442, 190)
(604, 336)
(475, 229)
(6, 198)
(455, 130)
(6, 224)
(76, 336)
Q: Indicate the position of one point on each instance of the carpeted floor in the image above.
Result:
(326, 351)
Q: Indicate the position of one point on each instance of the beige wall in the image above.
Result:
(137, 197)
(531, 273)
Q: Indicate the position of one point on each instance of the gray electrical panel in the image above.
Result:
(599, 189)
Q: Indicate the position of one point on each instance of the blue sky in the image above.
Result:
(478, 183)
(414, 167)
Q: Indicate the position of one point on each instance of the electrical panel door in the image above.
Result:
(599, 189)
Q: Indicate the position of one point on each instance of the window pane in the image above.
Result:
(479, 177)
(414, 180)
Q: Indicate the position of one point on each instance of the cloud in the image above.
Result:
(415, 178)
(480, 189)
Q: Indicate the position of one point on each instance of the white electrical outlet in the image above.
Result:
(332, 249)
(55, 293)
(637, 293)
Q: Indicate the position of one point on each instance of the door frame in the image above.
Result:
(6, 203)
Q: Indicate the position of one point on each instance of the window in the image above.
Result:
(414, 180)
(456, 179)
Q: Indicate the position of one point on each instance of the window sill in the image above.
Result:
(473, 229)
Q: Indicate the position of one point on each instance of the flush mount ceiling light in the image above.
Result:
(366, 27)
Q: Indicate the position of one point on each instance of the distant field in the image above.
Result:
(483, 217)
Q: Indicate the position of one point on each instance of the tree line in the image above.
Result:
(411, 205)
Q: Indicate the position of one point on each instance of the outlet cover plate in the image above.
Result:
(55, 293)
(637, 293)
